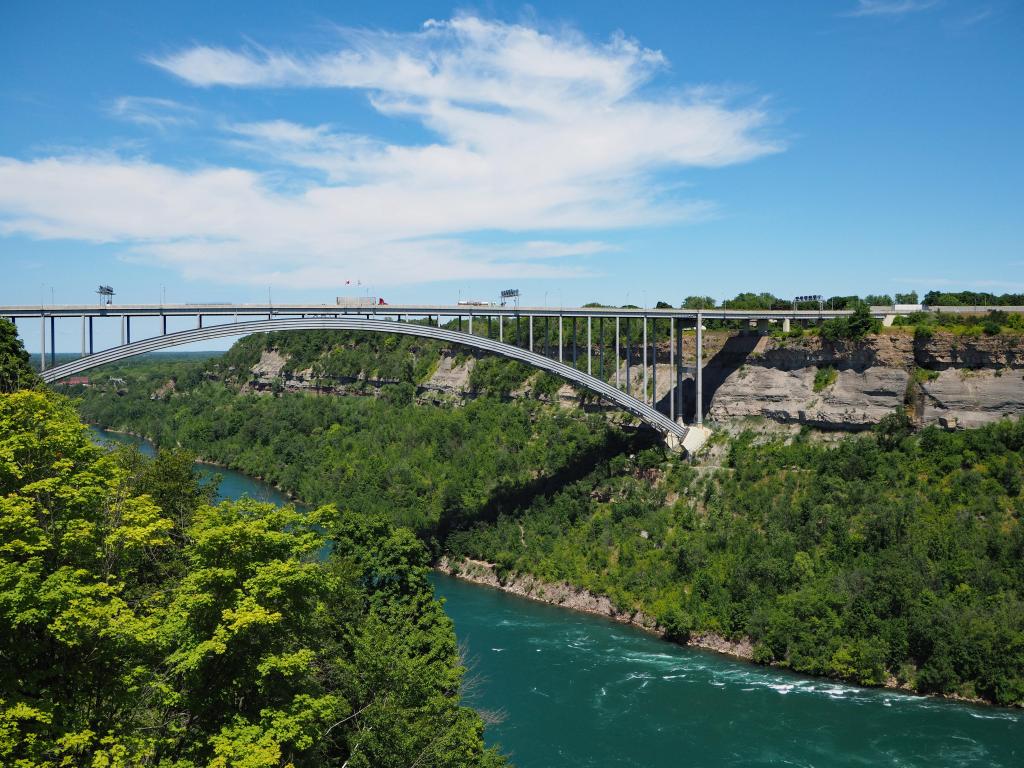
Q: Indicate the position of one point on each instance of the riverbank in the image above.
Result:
(566, 595)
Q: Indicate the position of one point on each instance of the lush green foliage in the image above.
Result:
(851, 327)
(139, 625)
(895, 555)
(426, 468)
(15, 371)
(890, 555)
(825, 377)
(991, 323)
(972, 299)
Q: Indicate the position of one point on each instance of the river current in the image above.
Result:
(578, 690)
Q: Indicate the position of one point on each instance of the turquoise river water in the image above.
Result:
(579, 690)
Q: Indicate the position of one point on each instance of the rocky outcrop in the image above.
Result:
(963, 398)
(856, 400)
(566, 595)
(967, 381)
(450, 377)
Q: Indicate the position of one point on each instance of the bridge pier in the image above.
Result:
(654, 367)
(785, 325)
(560, 345)
(645, 358)
(671, 368)
(617, 365)
(629, 350)
(53, 341)
(699, 413)
(589, 345)
(42, 343)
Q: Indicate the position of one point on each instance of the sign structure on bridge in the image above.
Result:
(510, 293)
(815, 297)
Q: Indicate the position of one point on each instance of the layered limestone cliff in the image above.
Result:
(953, 381)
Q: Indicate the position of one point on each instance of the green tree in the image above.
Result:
(214, 635)
(699, 302)
(15, 370)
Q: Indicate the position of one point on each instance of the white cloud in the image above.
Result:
(155, 113)
(889, 7)
(529, 132)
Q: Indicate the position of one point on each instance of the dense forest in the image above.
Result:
(895, 556)
(891, 555)
(142, 625)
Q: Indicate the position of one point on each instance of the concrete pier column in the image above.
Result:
(785, 325)
(501, 328)
(589, 343)
(560, 345)
(574, 324)
(644, 397)
(471, 324)
(671, 367)
(629, 352)
(90, 336)
(128, 328)
(84, 347)
(654, 366)
(163, 325)
(600, 348)
(122, 330)
(42, 342)
(530, 318)
(617, 366)
(53, 341)
(699, 413)
(679, 370)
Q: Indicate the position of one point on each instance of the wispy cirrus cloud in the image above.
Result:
(889, 7)
(524, 131)
(153, 112)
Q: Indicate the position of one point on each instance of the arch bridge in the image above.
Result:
(677, 435)
(639, 333)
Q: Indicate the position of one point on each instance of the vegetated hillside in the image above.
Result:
(428, 468)
(885, 556)
(890, 557)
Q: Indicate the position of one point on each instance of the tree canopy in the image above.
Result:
(141, 625)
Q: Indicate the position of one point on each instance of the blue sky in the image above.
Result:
(579, 151)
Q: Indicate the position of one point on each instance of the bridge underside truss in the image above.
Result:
(675, 432)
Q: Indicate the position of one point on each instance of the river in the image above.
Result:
(579, 690)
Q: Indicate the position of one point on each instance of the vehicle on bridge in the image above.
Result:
(360, 301)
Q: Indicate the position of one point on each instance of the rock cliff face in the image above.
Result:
(952, 381)
(947, 380)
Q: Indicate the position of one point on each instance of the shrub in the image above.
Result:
(825, 377)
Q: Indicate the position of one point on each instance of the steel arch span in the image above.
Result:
(676, 433)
